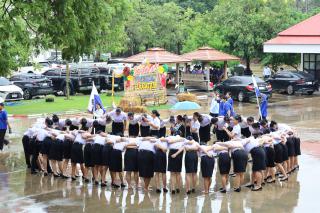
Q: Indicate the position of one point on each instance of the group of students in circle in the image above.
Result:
(147, 152)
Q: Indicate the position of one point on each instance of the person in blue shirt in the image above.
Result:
(263, 106)
(227, 108)
(229, 98)
(4, 125)
(221, 107)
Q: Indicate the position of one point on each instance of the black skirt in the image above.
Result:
(96, 154)
(26, 142)
(290, 146)
(67, 146)
(144, 131)
(270, 156)
(154, 133)
(146, 163)
(131, 160)
(297, 146)
(224, 163)
(240, 159)
(204, 133)
(134, 130)
(207, 166)
(45, 146)
(162, 132)
(106, 154)
(77, 153)
(116, 161)
(258, 159)
(285, 156)
(174, 164)
(191, 162)
(278, 153)
(246, 132)
(117, 128)
(87, 155)
(160, 161)
(195, 137)
(56, 150)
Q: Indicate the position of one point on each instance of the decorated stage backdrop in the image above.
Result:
(146, 81)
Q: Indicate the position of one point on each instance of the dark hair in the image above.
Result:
(48, 121)
(272, 124)
(55, 118)
(250, 119)
(108, 119)
(255, 125)
(130, 114)
(263, 122)
(197, 114)
(83, 121)
(214, 120)
(1, 104)
(99, 131)
(118, 110)
(179, 118)
(156, 113)
(171, 119)
(68, 122)
(178, 132)
(238, 118)
(95, 124)
(226, 119)
(189, 138)
(228, 93)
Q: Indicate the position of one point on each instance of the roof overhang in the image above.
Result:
(291, 48)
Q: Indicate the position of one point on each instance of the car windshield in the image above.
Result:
(4, 81)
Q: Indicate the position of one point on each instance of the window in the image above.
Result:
(15, 78)
(310, 62)
(4, 81)
(51, 73)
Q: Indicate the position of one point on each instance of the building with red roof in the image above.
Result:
(303, 38)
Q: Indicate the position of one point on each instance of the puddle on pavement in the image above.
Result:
(21, 192)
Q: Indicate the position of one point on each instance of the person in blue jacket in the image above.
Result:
(229, 98)
(227, 108)
(4, 125)
(263, 106)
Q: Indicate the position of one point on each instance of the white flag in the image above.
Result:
(94, 99)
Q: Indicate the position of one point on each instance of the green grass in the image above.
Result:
(60, 104)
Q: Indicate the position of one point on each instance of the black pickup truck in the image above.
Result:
(106, 80)
(80, 79)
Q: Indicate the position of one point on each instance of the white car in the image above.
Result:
(8, 91)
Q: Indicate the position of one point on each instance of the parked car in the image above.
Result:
(241, 87)
(32, 84)
(81, 79)
(10, 92)
(293, 81)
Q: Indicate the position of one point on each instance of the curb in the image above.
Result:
(44, 114)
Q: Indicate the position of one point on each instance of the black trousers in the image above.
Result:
(2, 134)
(27, 149)
(35, 149)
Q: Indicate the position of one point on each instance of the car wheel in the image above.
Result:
(240, 96)
(27, 94)
(310, 92)
(290, 90)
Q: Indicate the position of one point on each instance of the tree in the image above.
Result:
(246, 24)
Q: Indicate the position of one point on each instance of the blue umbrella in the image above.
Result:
(185, 105)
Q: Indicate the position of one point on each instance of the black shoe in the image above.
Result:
(56, 175)
(223, 191)
(96, 182)
(86, 180)
(45, 174)
(193, 190)
(64, 177)
(165, 190)
(257, 189)
(29, 166)
(188, 192)
(249, 185)
(34, 172)
(73, 178)
(263, 183)
(232, 175)
(158, 190)
(123, 185)
(173, 192)
(237, 189)
(115, 185)
(284, 179)
(103, 184)
(271, 181)
(178, 190)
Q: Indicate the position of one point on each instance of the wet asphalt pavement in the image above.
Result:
(22, 192)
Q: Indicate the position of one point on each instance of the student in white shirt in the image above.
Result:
(160, 164)
(195, 126)
(236, 131)
(99, 112)
(154, 123)
(133, 124)
(116, 161)
(119, 123)
(214, 107)
(131, 161)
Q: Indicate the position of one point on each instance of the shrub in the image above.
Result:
(49, 98)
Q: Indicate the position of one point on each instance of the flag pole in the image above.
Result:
(255, 85)
(112, 93)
